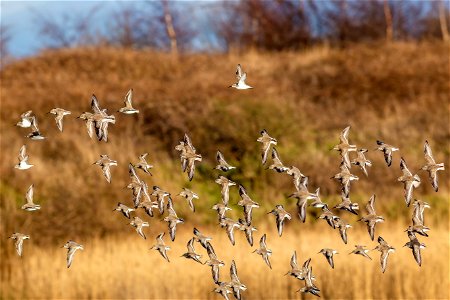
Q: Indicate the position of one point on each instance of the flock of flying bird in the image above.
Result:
(97, 123)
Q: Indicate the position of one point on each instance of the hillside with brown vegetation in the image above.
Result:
(397, 93)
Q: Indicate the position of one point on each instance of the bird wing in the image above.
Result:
(243, 78)
(191, 168)
(265, 151)
(94, 105)
(233, 271)
(70, 254)
(428, 154)
(266, 259)
(408, 191)
(330, 259)
(262, 242)
(19, 246)
(294, 261)
(210, 251)
(404, 168)
(34, 124)
(434, 179)
(383, 260)
(29, 194)
(388, 156)
(107, 172)
(416, 253)
(172, 229)
(128, 99)
(215, 273)
(370, 206)
(159, 239)
(59, 122)
(190, 245)
(220, 159)
(238, 72)
(22, 153)
(344, 135)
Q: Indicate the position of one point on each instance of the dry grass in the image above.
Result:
(123, 267)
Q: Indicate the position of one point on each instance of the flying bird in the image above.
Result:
(431, 166)
(280, 214)
(29, 205)
(409, 181)
(222, 163)
(387, 151)
(105, 163)
(371, 218)
(344, 147)
(59, 115)
(240, 77)
(23, 159)
(139, 225)
(19, 238)
(161, 247)
(385, 250)
(362, 161)
(328, 253)
(72, 247)
(266, 141)
(264, 251)
(128, 108)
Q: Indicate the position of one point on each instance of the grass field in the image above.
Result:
(124, 267)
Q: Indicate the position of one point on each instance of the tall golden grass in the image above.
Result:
(124, 267)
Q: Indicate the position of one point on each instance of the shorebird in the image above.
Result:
(35, 133)
(72, 247)
(345, 178)
(248, 230)
(143, 165)
(88, 118)
(297, 176)
(415, 246)
(247, 203)
(342, 226)
(309, 285)
(371, 218)
(344, 147)
(201, 238)
(328, 253)
(385, 249)
(105, 163)
(222, 163)
(191, 254)
(432, 167)
(295, 270)
(160, 195)
(230, 224)
(19, 238)
(59, 115)
(277, 165)
(188, 156)
(303, 195)
(161, 247)
(190, 196)
(221, 210)
(25, 119)
(139, 225)
(172, 219)
(266, 141)
(223, 288)
(280, 214)
(387, 151)
(409, 181)
(263, 251)
(328, 216)
(240, 77)
(140, 189)
(23, 159)
(419, 208)
(317, 203)
(148, 206)
(235, 283)
(125, 210)
(362, 161)
(100, 119)
(30, 206)
(361, 251)
(128, 108)
(225, 183)
(213, 262)
(417, 219)
(347, 205)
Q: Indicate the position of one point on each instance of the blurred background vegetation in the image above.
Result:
(381, 67)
